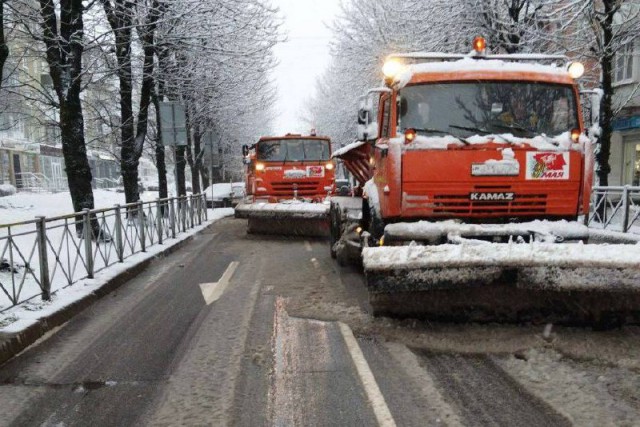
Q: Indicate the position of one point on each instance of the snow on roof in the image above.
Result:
(470, 64)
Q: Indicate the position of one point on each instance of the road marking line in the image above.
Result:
(307, 246)
(212, 291)
(378, 404)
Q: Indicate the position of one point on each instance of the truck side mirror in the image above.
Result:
(245, 150)
(363, 116)
(367, 132)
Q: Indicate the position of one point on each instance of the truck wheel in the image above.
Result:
(376, 224)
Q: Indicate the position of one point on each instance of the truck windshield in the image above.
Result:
(294, 150)
(477, 108)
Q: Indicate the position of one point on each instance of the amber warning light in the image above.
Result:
(479, 44)
(409, 135)
(575, 135)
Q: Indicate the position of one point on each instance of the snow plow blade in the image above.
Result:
(287, 219)
(574, 284)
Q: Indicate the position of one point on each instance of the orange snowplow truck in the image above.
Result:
(468, 158)
(289, 180)
(290, 167)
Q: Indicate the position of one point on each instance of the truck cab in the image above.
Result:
(289, 167)
(477, 138)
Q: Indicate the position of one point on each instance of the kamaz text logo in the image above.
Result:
(493, 197)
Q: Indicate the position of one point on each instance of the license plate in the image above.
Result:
(495, 169)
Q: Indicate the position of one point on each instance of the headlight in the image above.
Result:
(259, 166)
(329, 166)
(391, 68)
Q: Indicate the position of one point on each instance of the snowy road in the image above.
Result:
(286, 339)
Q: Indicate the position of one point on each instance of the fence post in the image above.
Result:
(119, 242)
(86, 231)
(204, 201)
(199, 206)
(159, 220)
(143, 229)
(183, 212)
(172, 217)
(625, 208)
(45, 282)
(191, 210)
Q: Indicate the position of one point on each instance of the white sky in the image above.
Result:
(302, 58)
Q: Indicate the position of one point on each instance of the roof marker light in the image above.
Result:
(409, 136)
(575, 135)
(576, 70)
(479, 45)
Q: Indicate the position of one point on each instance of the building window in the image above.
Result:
(624, 65)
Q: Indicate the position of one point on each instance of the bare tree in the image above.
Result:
(63, 36)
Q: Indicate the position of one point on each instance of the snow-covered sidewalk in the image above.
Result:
(21, 317)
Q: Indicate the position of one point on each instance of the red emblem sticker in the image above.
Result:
(315, 171)
(547, 165)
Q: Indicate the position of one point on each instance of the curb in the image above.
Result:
(13, 343)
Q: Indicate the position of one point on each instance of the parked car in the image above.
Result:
(224, 194)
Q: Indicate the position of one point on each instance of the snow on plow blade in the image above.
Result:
(537, 282)
(289, 219)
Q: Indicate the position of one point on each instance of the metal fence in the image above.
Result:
(615, 208)
(40, 256)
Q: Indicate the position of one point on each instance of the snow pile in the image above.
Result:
(467, 65)
(7, 190)
(26, 206)
(285, 206)
(224, 189)
(347, 148)
(560, 142)
(503, 255)
(433, 231)
(371, 193)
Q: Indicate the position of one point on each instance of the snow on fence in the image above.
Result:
(40, 256)
(615, 208)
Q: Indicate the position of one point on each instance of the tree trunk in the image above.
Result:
(180, 167)
(197, 154)
(4, 49)
(195, 173)
(64, 41)
(75, 154)
(120, 19)
(160, 157)
(606, 108)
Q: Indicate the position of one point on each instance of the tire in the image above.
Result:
(371, 219)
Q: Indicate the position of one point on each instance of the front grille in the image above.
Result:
(451, 204)
(459, 204)
(305, 188)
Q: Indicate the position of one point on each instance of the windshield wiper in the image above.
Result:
(444, 132)
(481, 131)
(529, 133)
